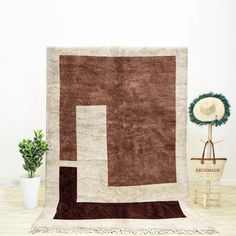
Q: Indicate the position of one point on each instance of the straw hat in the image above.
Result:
(209, 109)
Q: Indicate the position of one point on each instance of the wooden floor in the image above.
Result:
(15, 220)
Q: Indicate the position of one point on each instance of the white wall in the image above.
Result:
(212, 57)
(207, 27)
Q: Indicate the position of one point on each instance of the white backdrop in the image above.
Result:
(206, 27)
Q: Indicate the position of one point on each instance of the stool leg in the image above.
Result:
(195, 196)
(204, 200)
(219, 199)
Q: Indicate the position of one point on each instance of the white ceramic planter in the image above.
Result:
(30, 188)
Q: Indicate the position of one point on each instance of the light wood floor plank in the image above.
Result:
(15, 220)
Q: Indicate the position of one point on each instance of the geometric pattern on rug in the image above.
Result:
(135, 134)
(92, 162)
(139, 93)
(68, 208)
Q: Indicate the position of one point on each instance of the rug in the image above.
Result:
(116, 128)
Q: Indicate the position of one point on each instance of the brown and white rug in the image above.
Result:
(116, 127)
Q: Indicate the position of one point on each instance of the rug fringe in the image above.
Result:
(153, 231)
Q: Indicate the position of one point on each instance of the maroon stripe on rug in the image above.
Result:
(137, 210)
(68, 184)
(68, 208)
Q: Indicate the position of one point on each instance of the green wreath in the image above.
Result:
(220, 122)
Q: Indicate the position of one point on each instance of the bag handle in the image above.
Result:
(213, 151)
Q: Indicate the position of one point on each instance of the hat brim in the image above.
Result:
(216, 115)
(206, 120)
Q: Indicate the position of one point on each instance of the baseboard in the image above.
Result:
(15, 182)
(228, 181)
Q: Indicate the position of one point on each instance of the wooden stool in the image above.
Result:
(207, 197)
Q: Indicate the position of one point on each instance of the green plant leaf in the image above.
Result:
(32, 152)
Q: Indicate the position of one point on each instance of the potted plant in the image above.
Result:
(32, 152)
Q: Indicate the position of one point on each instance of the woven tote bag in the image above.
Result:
(208, 168)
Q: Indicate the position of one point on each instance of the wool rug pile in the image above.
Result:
(116, 128)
